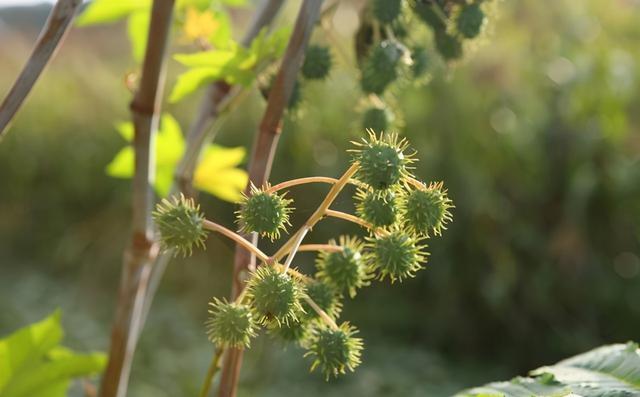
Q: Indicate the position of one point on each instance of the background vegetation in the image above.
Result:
(536, 136)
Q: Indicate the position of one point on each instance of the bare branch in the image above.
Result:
(142, 251)
(50, 38)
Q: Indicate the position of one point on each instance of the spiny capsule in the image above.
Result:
(180, 224)
(317, 62)
(264, 212)
(325, 296)
(426, 210)
(470, 20)
(450, 47)
(296, 331)
(377, 119)
(275, 296)
(397, 255)
(335, 350)
(386, 11)
(378, 208)
(230, 324)
(421, 61)
(344, 270)
(426, 13)
(380, 69)
(382, 161)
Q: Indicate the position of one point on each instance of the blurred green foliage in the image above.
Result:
(536, 136)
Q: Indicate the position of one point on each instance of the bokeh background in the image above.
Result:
(536, 135)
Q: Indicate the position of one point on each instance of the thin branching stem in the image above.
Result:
(349, 218)
(215, 227)
(211, 372)
(319, 247)
(303, 232)
(301, 181)
(323, 315)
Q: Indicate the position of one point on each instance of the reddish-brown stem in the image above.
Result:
(237, 238)
(349, 218)
(319, 247)
(301, 181)
(142, 251)
(51, 36)
(262, 158)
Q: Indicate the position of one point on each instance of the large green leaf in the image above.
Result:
(608, 371)
(33, 364)
(107, 11)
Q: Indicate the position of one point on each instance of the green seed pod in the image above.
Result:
(421, 61)
(397, 255)
(426, 210)
(180, 223)
(296, 96)
(378, 208)
(383, 163)
(295, 331)
(230, 324)
(380, 69)
(450, 47)
(377, 119)
(317, 62)
(275, 296)
(335, 351)
(263, 212)
(344, 270)
(470, 20)
(386, 11)
(426, 13)
(325, 296)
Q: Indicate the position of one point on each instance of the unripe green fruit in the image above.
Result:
(275, 296)
(379, 209)
(324, 295)
(335, 351)
(317, 62)
(264, 213)
(296, 96)
(396, 255)
(386, 11)
(421, 61)
(295, 331)
(379, 69)
(425, 12)
(470, 20)
(230, 325)
(427, 210)
(180, 223)
(376, 119)
(450, 47)
(344, 270)
(382, 161)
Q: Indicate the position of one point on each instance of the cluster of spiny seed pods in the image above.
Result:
(398, 212)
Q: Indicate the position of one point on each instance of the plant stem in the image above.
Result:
(320, 212)
(262, 156)
(350, 218)
(211, 372)
(214, 227)
(301, 181)
(319, 247)
(325, 317)
(51, 36)
(143, 250)
(303, 232)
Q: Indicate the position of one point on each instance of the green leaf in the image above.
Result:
(137, 28)
(189, 81)
(107, 11)
(25, 347)
(608, 371)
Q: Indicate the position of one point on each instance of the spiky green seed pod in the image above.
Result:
(344, 270)
(426, 13)
(421, 61)
(296, 96)
(386, 11)
(397, 255)
(378, 208)
(377, 119)
(295, 331)
(426, 211)
(470, 20)
(264, 213)
(325, 296)
(275, 296)
(383, 161)
(230, 324)
(380, 69)
(180, 223)
(335, 351)
(317, 62)
(450, 47)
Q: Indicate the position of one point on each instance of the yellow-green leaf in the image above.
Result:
(107, 11)
(137, 28)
